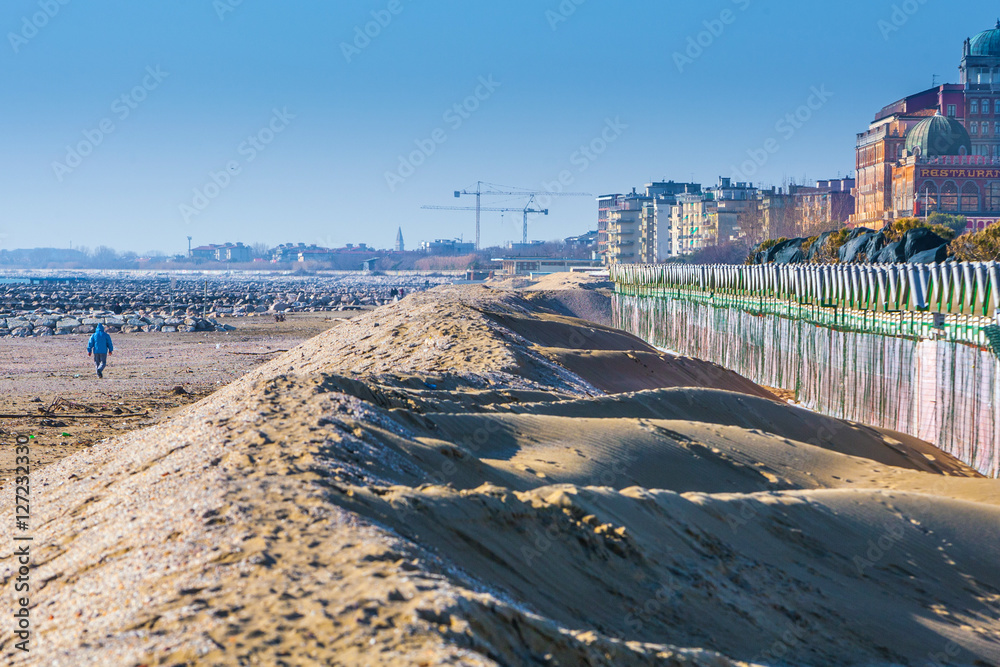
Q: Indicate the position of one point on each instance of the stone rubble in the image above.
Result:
(183, 304)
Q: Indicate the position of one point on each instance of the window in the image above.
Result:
(949, 197)
(974, 128)
(970, 197)
(996, 127)
(986, 107)
(996, 107)
(953, 110)
(929, 196)
(986, 128)
(974, 107)
(993, 197)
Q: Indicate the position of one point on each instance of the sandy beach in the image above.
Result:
(477, 476)
(150, 376)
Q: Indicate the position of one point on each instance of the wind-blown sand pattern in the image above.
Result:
(464, 478)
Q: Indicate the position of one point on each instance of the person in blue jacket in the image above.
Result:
(100, 346)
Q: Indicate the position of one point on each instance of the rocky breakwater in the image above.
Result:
(35, 324)
(171, 304)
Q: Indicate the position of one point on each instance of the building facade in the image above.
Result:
(694, 223)
(974, 103)
(827, 206)
(448, 247)
(623, 229)
(736, 205)
(938, 173)
(605, 204)
(226, 252)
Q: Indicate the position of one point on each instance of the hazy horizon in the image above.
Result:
(290, 122)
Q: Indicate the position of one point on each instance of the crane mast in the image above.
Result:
(513, 192)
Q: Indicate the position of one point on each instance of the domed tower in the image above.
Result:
(938, 136)
(981, 58)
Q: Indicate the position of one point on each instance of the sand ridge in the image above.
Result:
(429, 484)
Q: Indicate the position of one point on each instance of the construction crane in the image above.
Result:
(491, 191)
(526, 210)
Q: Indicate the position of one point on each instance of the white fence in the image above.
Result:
(955, 288)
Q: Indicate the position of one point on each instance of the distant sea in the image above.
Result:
(8, 281)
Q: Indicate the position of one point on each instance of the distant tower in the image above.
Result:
(189, 246)
(400, 247)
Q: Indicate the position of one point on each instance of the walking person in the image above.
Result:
(101, 346)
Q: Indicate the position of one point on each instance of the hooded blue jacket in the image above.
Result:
(100, 342)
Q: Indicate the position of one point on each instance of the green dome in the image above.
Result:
(987, 43)
(938, 135)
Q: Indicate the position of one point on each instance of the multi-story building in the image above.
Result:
(647, 233)
(605, 204)
(226, 252)
(204, 252)
(586, 241)
(973, 103)
(827, 206)
(937, 173)
(775, 215)
(694, 223)
(623, 229)
(234, 252)
(877, 150)
(736, 207)
(662, 211)
(657, 244)
(448, 247)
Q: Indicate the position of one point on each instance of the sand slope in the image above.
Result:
(442, 489)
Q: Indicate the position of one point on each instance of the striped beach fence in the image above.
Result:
(896, 346)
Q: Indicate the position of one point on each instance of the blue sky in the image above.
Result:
(135, 124)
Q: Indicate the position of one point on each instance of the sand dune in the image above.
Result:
(453, 479)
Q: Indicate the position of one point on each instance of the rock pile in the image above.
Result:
(864, 246)
(170, 304)
(52, 325)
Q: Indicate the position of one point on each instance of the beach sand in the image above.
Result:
(473, 477)
(148, 378)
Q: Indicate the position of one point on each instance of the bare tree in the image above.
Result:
(104, 257)
(261, 250)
